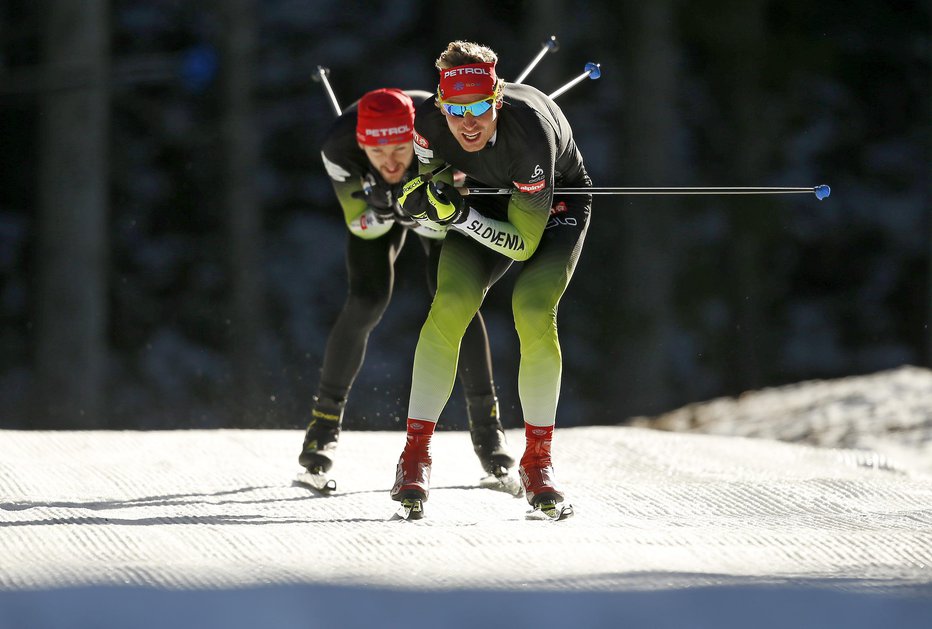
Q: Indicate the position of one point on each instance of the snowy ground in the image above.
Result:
(205, 529)
(888, 413)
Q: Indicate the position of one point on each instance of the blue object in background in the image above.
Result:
(199, 67)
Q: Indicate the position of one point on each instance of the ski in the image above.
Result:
(501, 480)
(550, 510)
(318, 481)
(410, 509)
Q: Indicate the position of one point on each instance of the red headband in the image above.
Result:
(385, 116)
(473, 78)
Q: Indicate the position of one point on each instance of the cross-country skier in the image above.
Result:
(501, 135)
(368, 154)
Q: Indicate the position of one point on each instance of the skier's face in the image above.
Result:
(472, 132)
(391, 160)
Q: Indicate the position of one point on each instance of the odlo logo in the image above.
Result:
(537, 183)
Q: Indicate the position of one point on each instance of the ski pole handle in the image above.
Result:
(417, 182)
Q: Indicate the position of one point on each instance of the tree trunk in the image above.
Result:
(550, 72)
(244, 223)
(71, 311)
(644, 353)
(751, 218)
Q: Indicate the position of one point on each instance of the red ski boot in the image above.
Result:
(536, 469)
(412, 476)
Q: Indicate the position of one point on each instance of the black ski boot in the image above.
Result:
(323, 432)
(488, 438)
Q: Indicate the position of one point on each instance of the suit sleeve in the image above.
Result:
(360, 219)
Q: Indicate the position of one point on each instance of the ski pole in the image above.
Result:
(321, 77)
(551, 45)
(821, 191)
(592, 70)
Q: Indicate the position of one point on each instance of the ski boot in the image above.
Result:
(412, 475)
(537, 477)
(488, 438)
(323, 432)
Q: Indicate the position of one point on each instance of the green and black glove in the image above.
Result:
(412, 199)
(445, 205)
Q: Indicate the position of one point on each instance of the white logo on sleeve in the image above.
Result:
(537, 183)
(424, 155)
(336, 172)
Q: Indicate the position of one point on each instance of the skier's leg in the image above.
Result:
(475, 373)
(466, 270)
(370, 269)
(538, 290)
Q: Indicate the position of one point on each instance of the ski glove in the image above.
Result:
(413, 200)
(445, 205)
(436, 203)
(380, 199)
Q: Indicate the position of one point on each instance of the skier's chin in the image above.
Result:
(393, 177)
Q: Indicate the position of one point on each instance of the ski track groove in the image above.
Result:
(212, 509)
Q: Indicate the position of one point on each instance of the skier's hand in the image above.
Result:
(445, 205)
(413, 200)
(381, 200)
(401, 217)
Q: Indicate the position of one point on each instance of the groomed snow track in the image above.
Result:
(205, 528)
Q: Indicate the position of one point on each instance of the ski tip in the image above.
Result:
(318, 482)
(566, 511)
(410, 509)
(501, 480)
(551, 510)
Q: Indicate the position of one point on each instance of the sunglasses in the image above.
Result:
(476, 108)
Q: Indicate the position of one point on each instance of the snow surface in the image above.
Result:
(205, 529)
(888, 413)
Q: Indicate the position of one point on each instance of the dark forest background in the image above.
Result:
(171, 253)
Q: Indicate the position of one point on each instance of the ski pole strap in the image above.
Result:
(821, 192)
